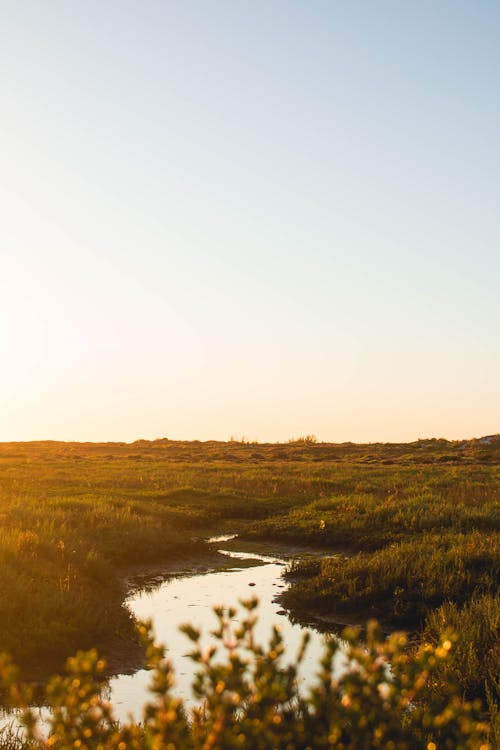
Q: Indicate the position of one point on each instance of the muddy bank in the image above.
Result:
(332, 622)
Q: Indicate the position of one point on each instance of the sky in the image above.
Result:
(263, 218)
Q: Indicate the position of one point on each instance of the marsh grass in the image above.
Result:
(403, 582)
(74, 517)
(475, 660)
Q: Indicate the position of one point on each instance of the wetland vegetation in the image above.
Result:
(417, 525)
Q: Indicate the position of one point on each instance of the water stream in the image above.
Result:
(178, 599)
(191, 599)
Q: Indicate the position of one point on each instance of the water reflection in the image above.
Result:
(191, 599)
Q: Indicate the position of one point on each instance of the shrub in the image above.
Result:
(250, 700)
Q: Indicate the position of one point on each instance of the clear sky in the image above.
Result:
(262, 218)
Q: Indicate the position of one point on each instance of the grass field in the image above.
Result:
(421, 523)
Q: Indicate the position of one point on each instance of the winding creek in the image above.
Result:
(191, 598)
(172, 599)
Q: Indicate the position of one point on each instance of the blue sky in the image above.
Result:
(252, 218)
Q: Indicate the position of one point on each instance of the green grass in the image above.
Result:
(475, 658)
(401, 583)
(419, 503)
(74, 517)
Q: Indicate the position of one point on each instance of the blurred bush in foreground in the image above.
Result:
(386, 697)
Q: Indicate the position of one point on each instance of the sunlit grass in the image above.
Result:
(74, 517)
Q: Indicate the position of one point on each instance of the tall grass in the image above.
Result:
(74, 517)
(403, 582)
(475, 659)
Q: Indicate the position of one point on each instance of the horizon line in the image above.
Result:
(301, 439)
